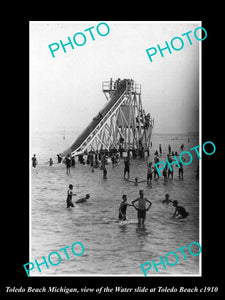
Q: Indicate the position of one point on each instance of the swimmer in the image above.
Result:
(59, 158)
(181, 171)
(96, 163)
(165, 172)
(68, 164)
(70, 194)
(104, 172)
(170, 172)
(34, 161)
(113, 160)
(50, 162)
(126, 168)
(155, 172)
(167, 200)
(141, 209)
(82, 200)
(180, 212)
(150, 170)
(160, 150)
(123, 208)
(136, 182)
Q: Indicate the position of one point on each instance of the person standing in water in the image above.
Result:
(50, 162)
(68, 164)
(70, 194)
(150, 170)
(34, 161)
(73, 162)
(104, 170)
(170, 172)
(59, 158)
(123, 208)
(113, 159)
(126, 168)
(165, 172)
(160, 150)
(141, 208)
(181, 171)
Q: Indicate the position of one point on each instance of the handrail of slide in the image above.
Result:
(99, 120)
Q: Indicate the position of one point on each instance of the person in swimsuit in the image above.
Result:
(141, 208)
(82, 200)
(34, 161)
(180, 212)
(167, 200)
(150, 170)
(165, 172)
(181, 171)
(160, 150)
(136, 182)
(104, 172)
(123, 208)
(70, 194)
(113, 159)
(68, 164)
(73, 162)
(155, 172)
(170, 172)
(50, 162)
(59, 158)
(126, 167)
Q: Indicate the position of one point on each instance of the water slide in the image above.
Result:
(96, 120)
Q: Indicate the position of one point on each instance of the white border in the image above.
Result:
(200, 162)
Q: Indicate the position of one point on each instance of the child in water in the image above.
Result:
(136, 182)
(81, 200)
(70, 194)
(167, 200)
(123, 208)
(50, 162)
(141, 207)
(180, 212)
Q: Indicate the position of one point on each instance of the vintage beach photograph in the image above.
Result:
(114, 163)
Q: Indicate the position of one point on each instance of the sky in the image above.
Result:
(66, 91)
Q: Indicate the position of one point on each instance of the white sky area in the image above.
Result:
(66, 91)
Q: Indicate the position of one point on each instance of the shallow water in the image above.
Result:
(110, 249)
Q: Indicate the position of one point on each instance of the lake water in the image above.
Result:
(110, 249)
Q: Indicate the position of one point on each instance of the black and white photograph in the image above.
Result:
(115, 148)
(114, 184)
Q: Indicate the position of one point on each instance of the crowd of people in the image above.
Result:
(100, 160)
